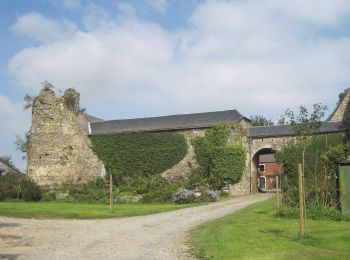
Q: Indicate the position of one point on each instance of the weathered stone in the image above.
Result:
(59, 150)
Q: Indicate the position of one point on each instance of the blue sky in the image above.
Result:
(145, 58)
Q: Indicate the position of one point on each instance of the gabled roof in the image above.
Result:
(163, 123)
(288, 130)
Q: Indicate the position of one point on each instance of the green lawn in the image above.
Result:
(61, 209)
(255, 233)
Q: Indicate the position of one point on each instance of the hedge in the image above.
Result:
(147, 152)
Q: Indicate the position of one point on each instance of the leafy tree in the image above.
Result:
(304, 123)
(281, 120)
(259, 120)
(22, 144)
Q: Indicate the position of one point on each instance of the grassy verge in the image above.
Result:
(61, 209)
(256, 233)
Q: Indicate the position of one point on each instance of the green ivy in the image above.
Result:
(220, 163)
(148, 152)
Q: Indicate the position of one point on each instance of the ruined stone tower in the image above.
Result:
(59, 150)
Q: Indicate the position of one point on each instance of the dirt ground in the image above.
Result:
(158, 236)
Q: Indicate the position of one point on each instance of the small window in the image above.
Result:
(261, 168)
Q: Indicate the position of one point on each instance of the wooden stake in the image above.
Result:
(110, 193)
(301, 201)
(278, 206)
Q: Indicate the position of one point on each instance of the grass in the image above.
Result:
(63, 209)
(256, 233)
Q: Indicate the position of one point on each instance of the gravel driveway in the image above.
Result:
(158, 236)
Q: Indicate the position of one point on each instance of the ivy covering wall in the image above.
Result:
(147, 153)
(220, 163)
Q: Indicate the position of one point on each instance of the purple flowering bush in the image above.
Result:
(183, 196)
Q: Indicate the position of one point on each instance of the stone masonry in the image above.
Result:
(59, 149)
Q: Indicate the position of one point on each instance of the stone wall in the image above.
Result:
(59, 150)
(181, 171)
(341, 113)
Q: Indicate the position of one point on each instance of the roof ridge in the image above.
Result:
(173, 115)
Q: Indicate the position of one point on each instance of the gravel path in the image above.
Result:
(158, 236)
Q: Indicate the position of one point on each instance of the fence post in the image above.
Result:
(110, 193)
(278, 204)
(301, 201)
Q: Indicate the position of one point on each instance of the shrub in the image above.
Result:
(209, 196)
(10, 186)
(15, 185)
(30, 191)
(184, 196)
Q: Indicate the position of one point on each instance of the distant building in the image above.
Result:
(267, 170)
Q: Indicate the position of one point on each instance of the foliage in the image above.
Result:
(342, 94)
(7, 160)
(219, 162)
(71, 100)
(15, 185)
(304, 123)
(322, 154)
(281, 120)
(22, 144)
(131, 154)
(28, 101)
(232, 237)
(184, 196)
(259, 120)
(30, 191)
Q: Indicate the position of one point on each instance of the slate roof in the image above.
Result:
(163, 123)
(288, 130)
(85, 119)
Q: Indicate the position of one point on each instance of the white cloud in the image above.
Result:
(256, 56)
(42, 29)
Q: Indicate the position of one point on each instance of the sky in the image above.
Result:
(142, 58)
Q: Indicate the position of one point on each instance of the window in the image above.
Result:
(261, 167)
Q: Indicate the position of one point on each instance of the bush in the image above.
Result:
(15, 185)
(10, 186)
(184, 196)
(30, 191)
(209, 196)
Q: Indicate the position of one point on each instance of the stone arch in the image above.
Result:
(265, 150)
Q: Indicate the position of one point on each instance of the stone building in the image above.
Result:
(60, 148)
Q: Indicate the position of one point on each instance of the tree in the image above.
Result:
(23, 143)
(305, 124)
(7, 160)
(281, 120)
(259, 120)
